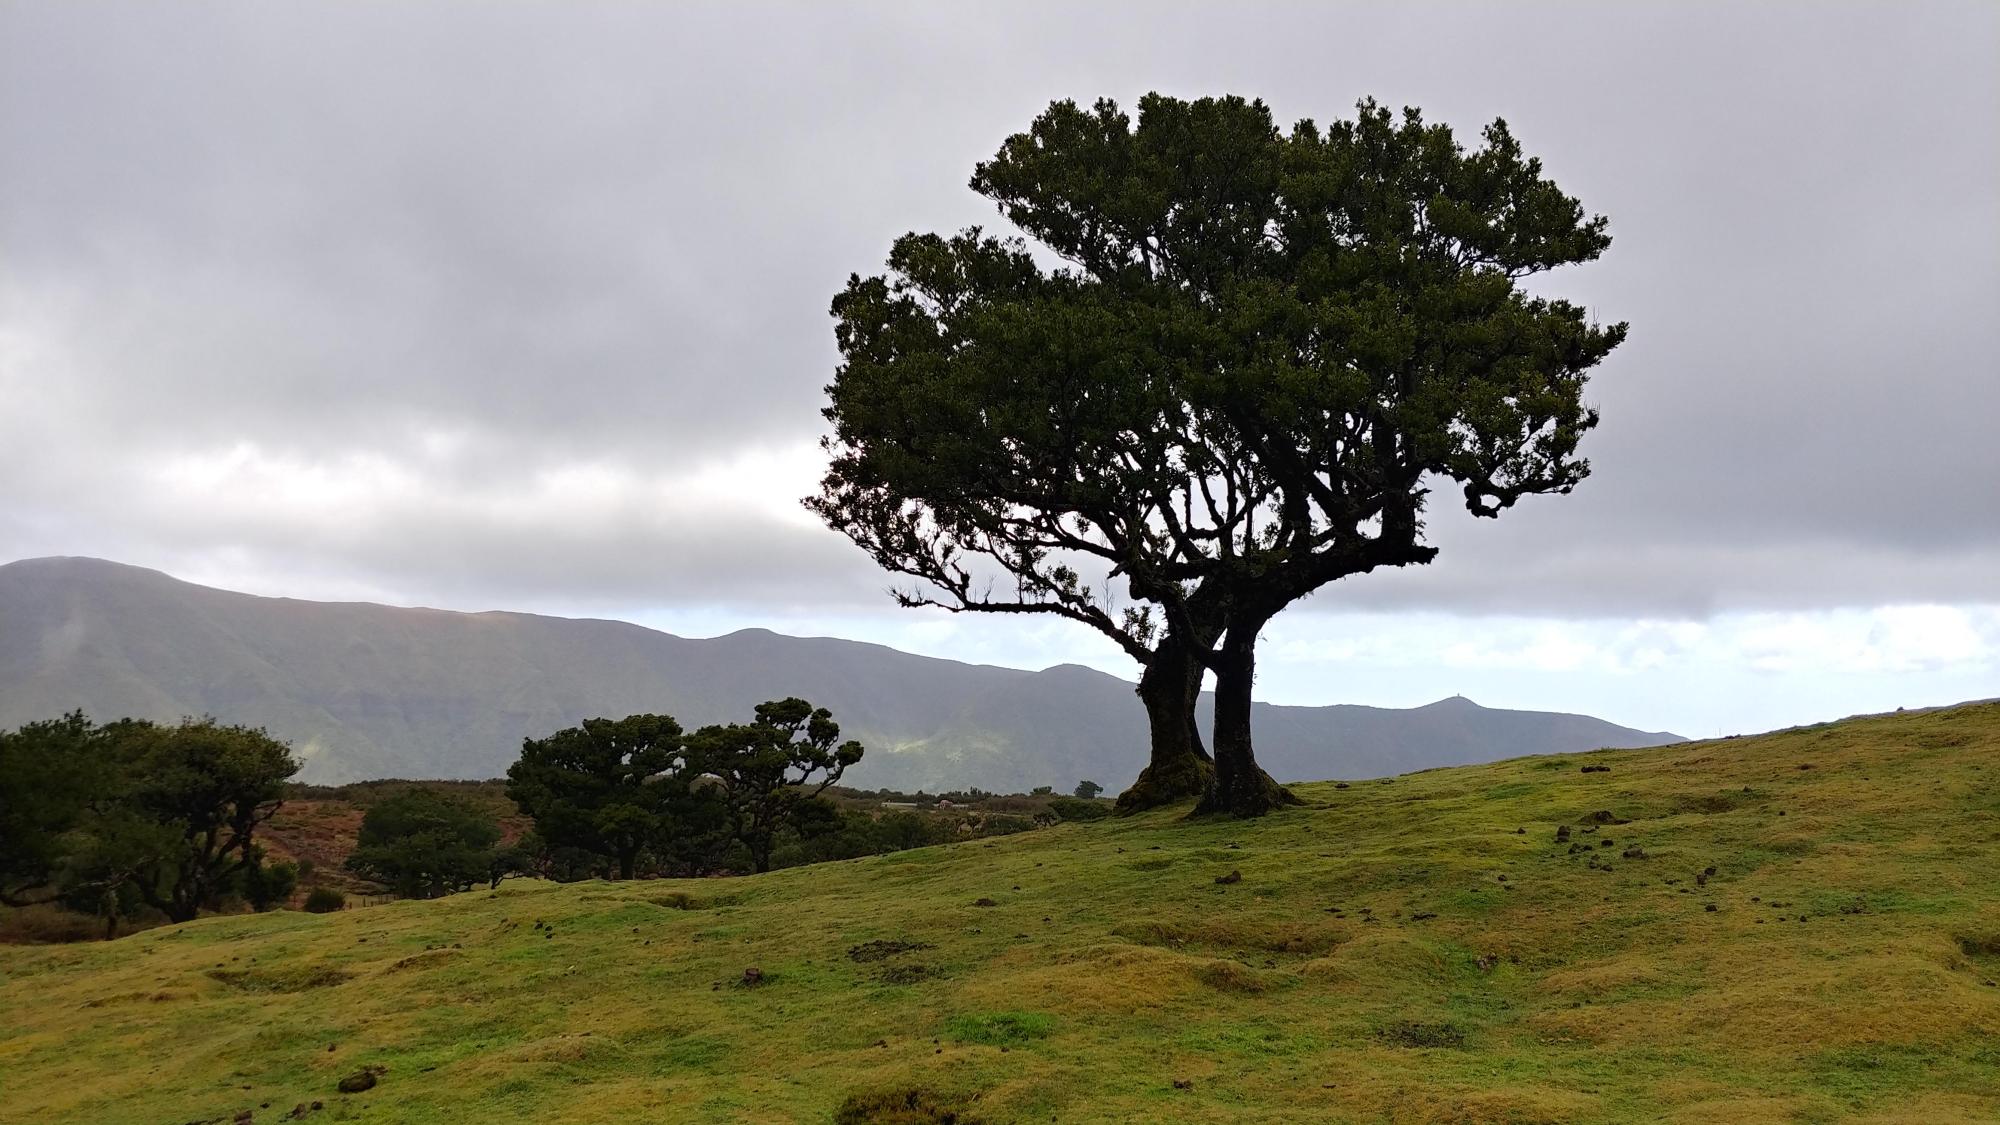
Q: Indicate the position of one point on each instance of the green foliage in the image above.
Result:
(108, 818)
(265, 885)
(423, 843)
(1073, 808)
(769, 771)
(199, 790)
(51, 773)
(1263, 348)
(607, 794)
(324, 900)
(604, 789)
(1088, 790)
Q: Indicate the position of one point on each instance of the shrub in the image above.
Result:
(325, 900)
(1072, 808)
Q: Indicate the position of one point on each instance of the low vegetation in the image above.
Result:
(608, 798)
(1806, 931)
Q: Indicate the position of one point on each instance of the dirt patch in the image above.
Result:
(1706, 803)
(1241, 935)
(281, 980)
(422, 960)
(681, 900)
(882, 950)
(910, 1106)
(1419, 1033)
(1988, 946)
(906, 974)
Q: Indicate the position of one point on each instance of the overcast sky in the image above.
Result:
(525, 306)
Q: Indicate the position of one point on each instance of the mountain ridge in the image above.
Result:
(369, 690)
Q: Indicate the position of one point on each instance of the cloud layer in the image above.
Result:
(526, 305)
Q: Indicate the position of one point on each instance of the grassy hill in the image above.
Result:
(1417, 949)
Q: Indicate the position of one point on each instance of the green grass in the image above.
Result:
(1420, 950)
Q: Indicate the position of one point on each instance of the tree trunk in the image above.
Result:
(1240, 787)
(1180, 768)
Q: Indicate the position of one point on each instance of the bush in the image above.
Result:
(325, 900)
(265, 885)
(1071, 808)
(422, 843)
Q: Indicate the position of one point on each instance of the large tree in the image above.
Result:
(1261, 353)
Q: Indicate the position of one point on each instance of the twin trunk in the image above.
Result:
(1180, 768)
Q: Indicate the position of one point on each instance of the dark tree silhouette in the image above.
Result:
(421, 844)
(1262, 351)
(769, 772)
(602, 787)
(192, 797)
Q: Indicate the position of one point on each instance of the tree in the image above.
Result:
(770, 772)
(109, 817)
(422, 844)
(1088, 790)
(52, 777)
(265, 885)
(602, 787)
(191, 797)
(1262, 352)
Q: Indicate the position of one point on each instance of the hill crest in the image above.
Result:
(367, 690)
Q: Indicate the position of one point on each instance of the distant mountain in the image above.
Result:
(367, 690)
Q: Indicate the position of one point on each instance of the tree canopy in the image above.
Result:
(1260, 353)
(421, 844)
(133, 812)
(769, 771)
(607, 793)
(604, 787)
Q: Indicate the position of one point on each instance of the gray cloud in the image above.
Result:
(504, 305)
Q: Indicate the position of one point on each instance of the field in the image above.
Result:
(1802, 926)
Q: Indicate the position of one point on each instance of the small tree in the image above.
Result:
(769, 772)
(1088, 790)
(421, 843)
(266, 885)
(601, 787)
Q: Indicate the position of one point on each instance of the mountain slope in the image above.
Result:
(1796, 927)
(375, 691)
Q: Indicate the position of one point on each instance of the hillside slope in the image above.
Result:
(369, 691)
(1416, 949)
